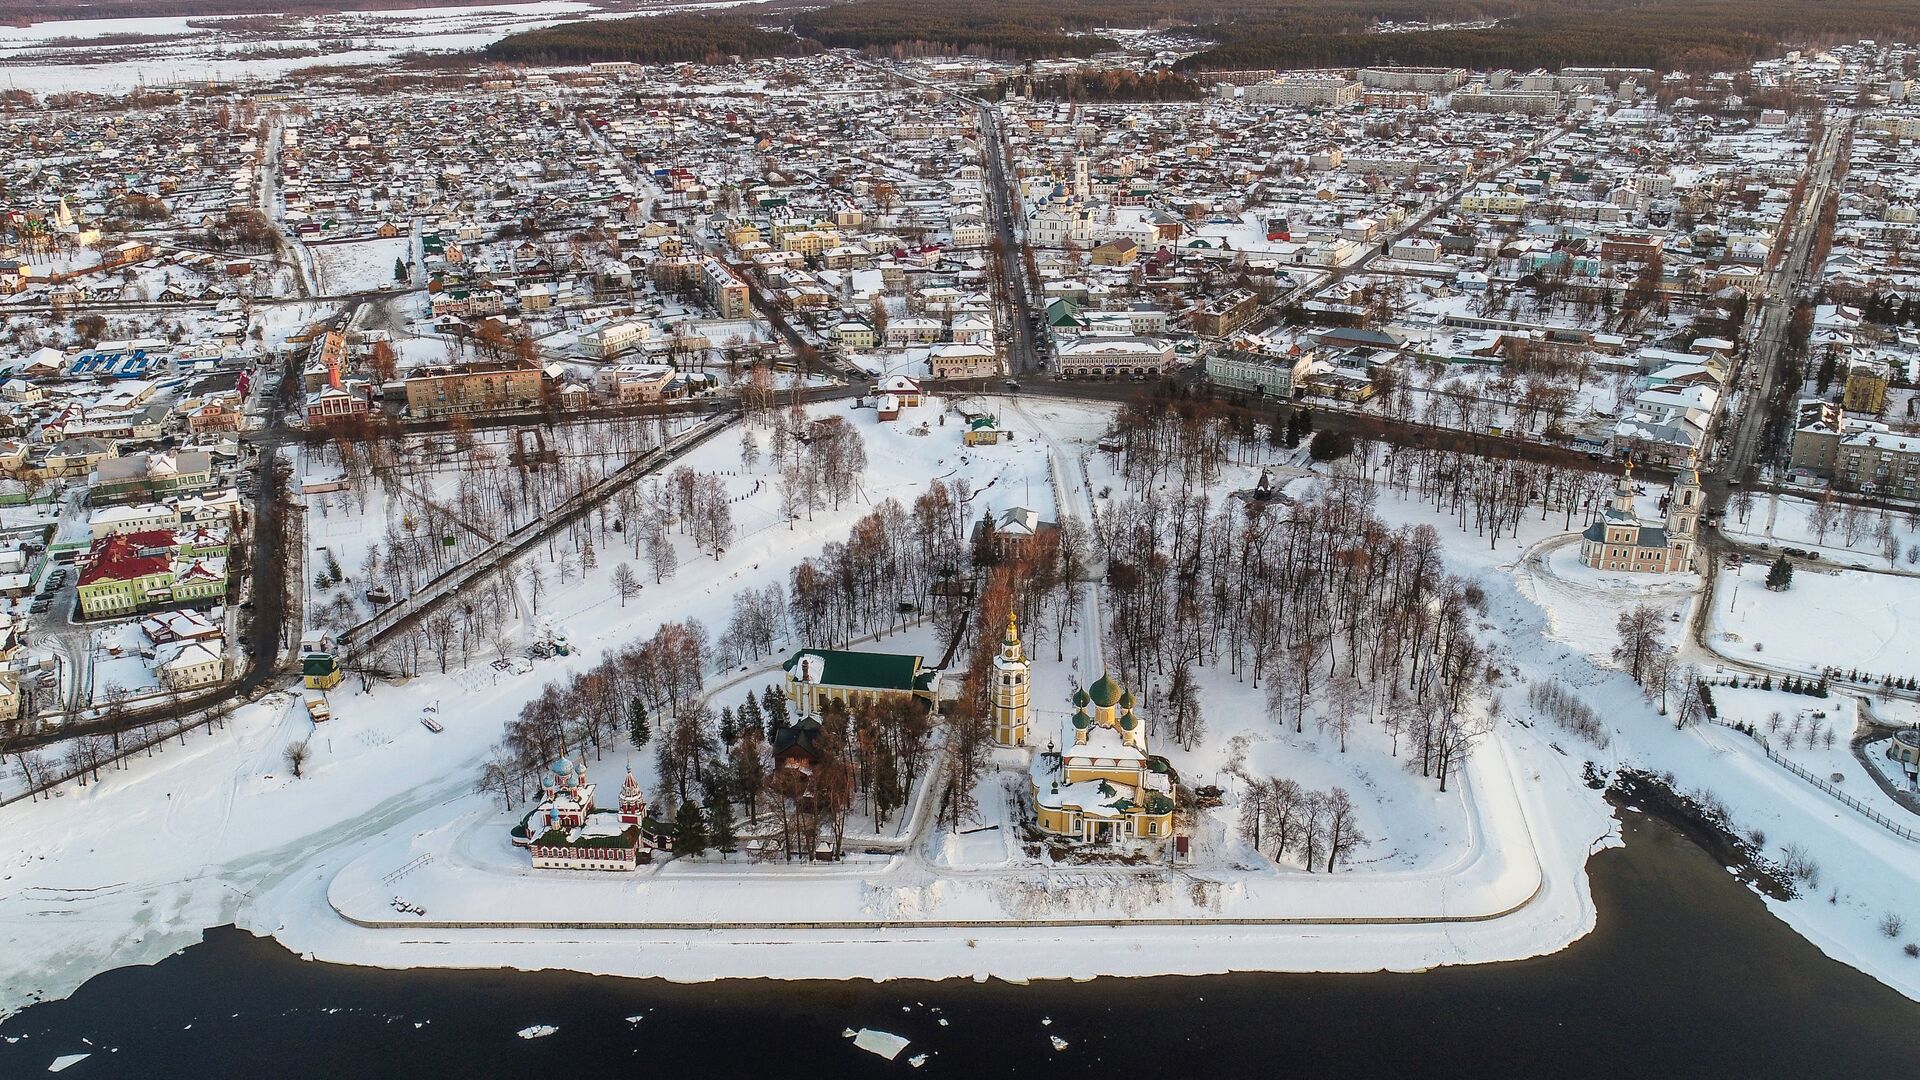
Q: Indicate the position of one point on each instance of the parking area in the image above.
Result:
(53, 607)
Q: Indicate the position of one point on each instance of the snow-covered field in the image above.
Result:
(360, 265)
(386, 808)
(1827, 618)
(206, 51)
(1855, 535)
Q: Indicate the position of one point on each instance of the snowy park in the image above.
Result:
(388, 831)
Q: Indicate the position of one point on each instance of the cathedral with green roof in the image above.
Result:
(1106, 786)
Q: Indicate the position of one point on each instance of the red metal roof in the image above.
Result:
(118, 558)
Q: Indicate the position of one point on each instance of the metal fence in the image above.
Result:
(1866, 811)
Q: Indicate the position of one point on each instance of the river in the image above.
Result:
(1687, 975)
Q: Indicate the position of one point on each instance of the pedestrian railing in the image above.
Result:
(1875, 816)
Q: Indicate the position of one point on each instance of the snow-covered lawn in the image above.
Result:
(1855, 535)
(359, 265)
(1840, 618)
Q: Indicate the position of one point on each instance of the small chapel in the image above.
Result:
(1622, 540)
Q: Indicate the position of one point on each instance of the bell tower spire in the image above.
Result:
(1010, 688)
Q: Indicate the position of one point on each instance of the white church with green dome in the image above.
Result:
(1105, 785)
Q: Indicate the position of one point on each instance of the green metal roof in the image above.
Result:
(1105, 692)
(866, 670)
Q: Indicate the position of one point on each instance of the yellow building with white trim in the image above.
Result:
(1104, 785)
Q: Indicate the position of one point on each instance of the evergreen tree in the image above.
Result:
(1780, 575)
(774, 702)
(689, 831)
(320, 580)
(752, 717)
(637, 728)
(720, 825)
(1766, 682)
(728, 732)
(1829, 367)
(985, 552)
(399, 269)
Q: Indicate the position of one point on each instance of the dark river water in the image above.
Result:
(1687, 976)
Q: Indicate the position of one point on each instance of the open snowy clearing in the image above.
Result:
(1854, 536)
(1828, 618)
(360, 265)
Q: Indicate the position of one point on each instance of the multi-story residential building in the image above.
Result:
(1492, 200)
(148, 475)
(810, 241)
(904, 332)
(1526, 102)
(472, 388)
(1224, 314)
(1241, 369)
(1396, 99)
(972, 328)
(635, 384)
(1866, 387)
(725, 293)
(132, 518)
(1305, 88)
(1858, 455)
(969, 233)
(1439, 79)
(856, 334)
(190, 664)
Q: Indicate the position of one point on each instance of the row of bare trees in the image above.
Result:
(590, 710)
(883, 573)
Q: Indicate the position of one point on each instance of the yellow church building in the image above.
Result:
(1010, 689)
(1621, 540)
(1104, 785)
